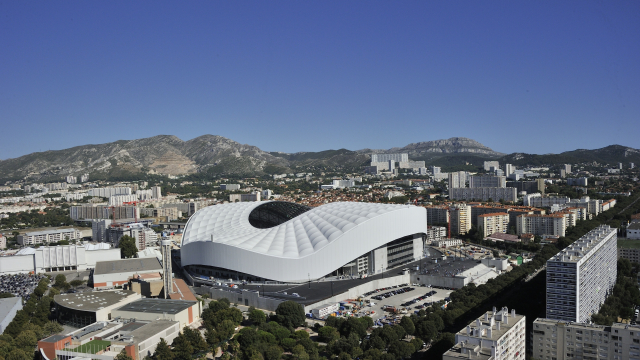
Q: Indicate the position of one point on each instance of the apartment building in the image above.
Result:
(631, 254)
(460, 219)
(580, 276)
(493, 223)
(229, 187)
(411, 164)
(583, 181)
(527, 186)
(156, 192)
(103, 212)
(437, 214)
(491, 164)
(497, 335)
(435, 233)
(458, 179)
(553, 224)
(481, 181)
(403, 157)
(483, 194)
(477, 210)
(244, 197)
(47, 236)
(559, 340)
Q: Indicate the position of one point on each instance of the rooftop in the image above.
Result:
(7, 304)
(157, 306)
(581, 247)
(127, 265)
(92, 301)
(492, 325)
(45, 232)
(151, 329)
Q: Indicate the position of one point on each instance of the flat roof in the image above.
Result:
(127, 265)
(44, 232)
(151, 329)
(628, 243)
(157, 306)
(92, 301)
(7, 304)
(54, 338)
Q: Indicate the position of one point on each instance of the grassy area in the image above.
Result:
(628, 243)
(92, 347)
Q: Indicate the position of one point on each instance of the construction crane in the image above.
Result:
(135, 213)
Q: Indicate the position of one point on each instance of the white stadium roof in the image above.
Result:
(308, 243)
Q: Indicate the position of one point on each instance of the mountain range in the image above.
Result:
(216, 155)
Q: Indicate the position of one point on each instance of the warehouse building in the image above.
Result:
(55, 258)
(183, 311)
(288, 242)
(8, 309)
(109, 274)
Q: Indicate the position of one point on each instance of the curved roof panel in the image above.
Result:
(349, 227)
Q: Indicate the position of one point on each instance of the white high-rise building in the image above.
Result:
(580, 276)
(567, 169)
(84, 178)
(386, 157)
(509, 169)
(458, 179)
(489, 164)
(156, 192)
(71, 179)
(497, 335)
(435, 170)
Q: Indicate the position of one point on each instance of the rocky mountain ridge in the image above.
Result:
(213, 154)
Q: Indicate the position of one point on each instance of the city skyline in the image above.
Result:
(296, 77)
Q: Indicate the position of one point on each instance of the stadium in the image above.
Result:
(288, 242)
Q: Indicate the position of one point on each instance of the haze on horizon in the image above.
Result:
(309, 76)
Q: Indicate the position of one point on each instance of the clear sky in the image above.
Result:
(517, 76)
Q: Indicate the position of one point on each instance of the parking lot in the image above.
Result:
(400, 301)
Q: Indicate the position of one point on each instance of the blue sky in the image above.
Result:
(517, 76)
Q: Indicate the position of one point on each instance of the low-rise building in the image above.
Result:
(85, 308)
(109, 274)
(185, 312)
(633, 230)
(497, 335)
(47, 236)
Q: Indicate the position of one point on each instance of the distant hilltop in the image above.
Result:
(216, 155)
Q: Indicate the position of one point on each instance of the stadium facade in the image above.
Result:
(288, 242)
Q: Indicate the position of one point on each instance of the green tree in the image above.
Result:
(76, 283)
(52, 327)
(273, 352)
(194, 337)
(257, 317)
(17, 354)
(123, 356)
(26, 341)
(407, 325)
(291, 312)
(163, 352)
(128, 248)
(328, 334)
(182, 348)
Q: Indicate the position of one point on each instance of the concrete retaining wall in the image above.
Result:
(456, 282)
(247, 298)
(361, 289)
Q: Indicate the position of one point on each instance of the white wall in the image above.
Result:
(92, 256)
(17, 264)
